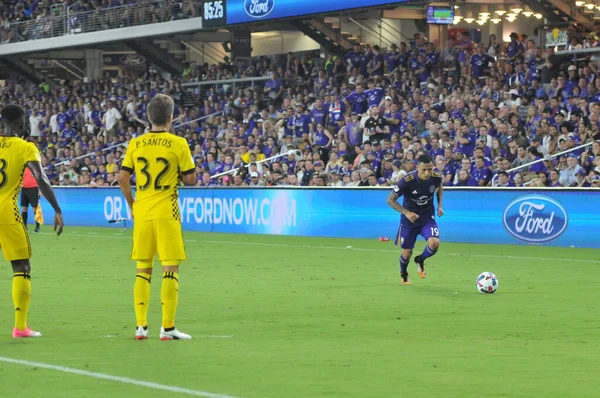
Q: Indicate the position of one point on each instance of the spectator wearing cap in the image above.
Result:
(536, 143)
(255, 180)
(335, 182)
(595, 181)
(572, 79)
(376, 127)
(568, 176)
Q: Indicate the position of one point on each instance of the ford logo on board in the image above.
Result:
(258, 8)
(535, 219)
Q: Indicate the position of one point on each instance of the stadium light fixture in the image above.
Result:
(579, 3)
(469, 18)
(516, 9)
(500, 10)
(527, 12)
(480, 22)
(484, 13)
(538, 15)
(496, 21)
(590, 5)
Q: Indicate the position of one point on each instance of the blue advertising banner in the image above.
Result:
(246, 11)
(548, 217)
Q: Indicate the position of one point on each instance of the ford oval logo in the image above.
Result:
(258, 8)
(535, 219)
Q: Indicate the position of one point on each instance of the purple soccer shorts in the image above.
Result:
(408, 232)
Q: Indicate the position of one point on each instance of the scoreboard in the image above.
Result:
(217, 13)
(214, 13)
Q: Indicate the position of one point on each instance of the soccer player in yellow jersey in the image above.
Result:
(15, 155)
(159, 159)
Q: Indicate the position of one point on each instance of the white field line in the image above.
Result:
(347, 248)
(124, 380)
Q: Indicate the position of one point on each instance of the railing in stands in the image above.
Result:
(69, 21)
(584, 146)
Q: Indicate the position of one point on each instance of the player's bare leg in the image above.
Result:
(405, 256)
(169, 294)
(431, 248)
(21, 294)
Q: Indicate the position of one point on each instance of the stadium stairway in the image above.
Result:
(327, 34)
(157, 55)
(27, 71)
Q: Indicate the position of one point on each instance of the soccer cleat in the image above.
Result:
(141, 333)
(421, 267)
(20, 334)
(36, 230)
(173, 334)
(404, 279)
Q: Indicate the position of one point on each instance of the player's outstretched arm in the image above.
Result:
(48, 192)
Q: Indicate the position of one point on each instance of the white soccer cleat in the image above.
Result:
(173, 334)
(141, 333)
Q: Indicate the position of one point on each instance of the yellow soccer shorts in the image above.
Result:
(158, 236)
(14, 242)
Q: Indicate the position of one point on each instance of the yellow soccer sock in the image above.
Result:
(21, 294)
(141, 297)
(169, 294)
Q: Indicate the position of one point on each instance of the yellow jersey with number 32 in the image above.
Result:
(15, 153)
(157, 158)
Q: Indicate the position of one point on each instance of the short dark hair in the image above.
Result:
(12, 113)
(160, 109)
(424, 159)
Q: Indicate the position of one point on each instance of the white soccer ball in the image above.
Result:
(487, 283)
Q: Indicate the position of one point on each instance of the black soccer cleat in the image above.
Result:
(421, 267)
(404, 278)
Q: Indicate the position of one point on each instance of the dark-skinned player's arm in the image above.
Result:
(48, 192)
(124, 180)
(392, 201)
(440, 194)
(189, 177)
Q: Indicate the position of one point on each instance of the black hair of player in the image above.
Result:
(424, 159)
(13, 121)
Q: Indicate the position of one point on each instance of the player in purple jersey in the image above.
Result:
(418, 214)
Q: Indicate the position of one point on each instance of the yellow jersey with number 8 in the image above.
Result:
(15, 153)
(157, 158)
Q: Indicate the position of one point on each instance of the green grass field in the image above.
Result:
(274, 316)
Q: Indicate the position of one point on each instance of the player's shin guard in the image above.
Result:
(169, 294)
(21, 294)
(141, 297)
(403, 264)
(427, 252)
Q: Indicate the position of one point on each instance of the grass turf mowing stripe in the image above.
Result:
(348, 248)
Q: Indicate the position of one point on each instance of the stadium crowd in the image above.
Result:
(36, 19)
(480, 110)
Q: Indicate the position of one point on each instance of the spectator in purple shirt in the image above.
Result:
(481, 173)
(465, 180)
